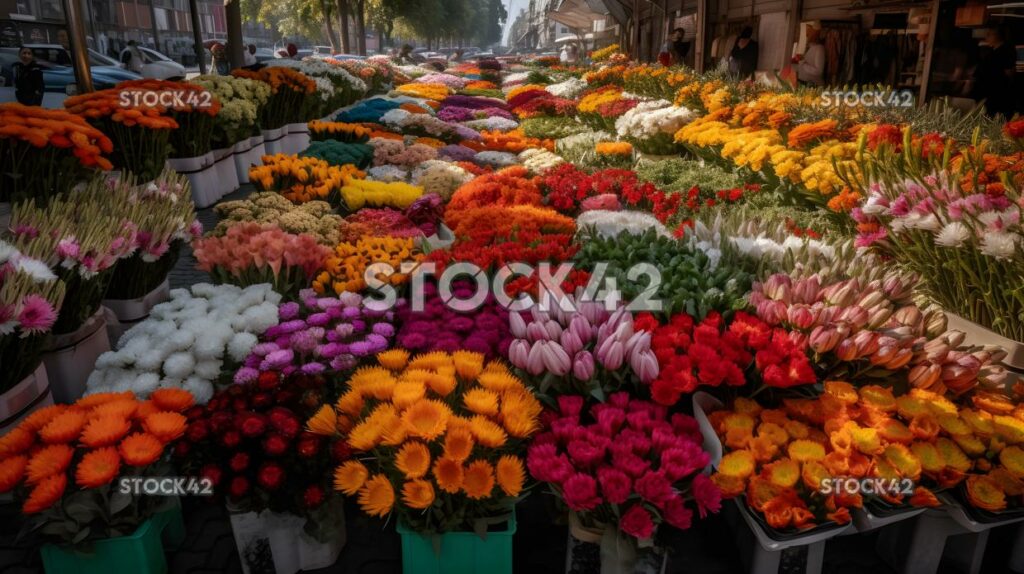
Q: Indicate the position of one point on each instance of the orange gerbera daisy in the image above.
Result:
(165, 426)
(350, 477)
(458, 443)
(481, 401)
(324, 422)
(63, 428)
(511, 475)
(45, 494)
(144, 409)
(418, 494)
(427, 419)
(407, 393)
(140, 449)
(394, 360)
(98, 467)
(122, 408)
(377, 496)
(48, 461)
(487, 432)
(448, 473)
(38, 419)
(413, 459)
(12, 470)
(478, 481)
(172, 399)
(17, 441)
(105, 430)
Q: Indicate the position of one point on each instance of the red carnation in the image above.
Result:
(231, 438)
(580, 492)
(285, 422)
(308, 446)
(239, 487)
(252, 425)
(197, 430)
(637, 522)
(676, 513)
(268, 380)
(270, 476)
(615, 485)
(313, 496)
(239, 461)
(213, 473)
(275, 444)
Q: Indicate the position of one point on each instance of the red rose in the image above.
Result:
(231, 439)
(268, 380)
(308, 445)
(181, 449)
(239, 461)
(313, 496)
(270, 476)
(197, 431)
(275, 444)
(239, 487)
(213, 473)
(340, 451)
(252, 425)
(637, 522)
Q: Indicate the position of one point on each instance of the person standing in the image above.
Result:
(563, 56)
(28, 78)
(679, 47)
(743, 57)
(219, 60)
(993, 77)
(132, 58)
(811, 66)
(250, 55)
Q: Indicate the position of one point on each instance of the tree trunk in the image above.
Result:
(360, 8)
(331, 38)
(346, 46)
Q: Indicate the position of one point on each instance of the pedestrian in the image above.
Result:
(574, 55)
(28, 78)
(250, 56)
(219, 60)
(679, 47)
(132, 57)
(405, 55)
(743, 57)
(293, 51)
(811, 66)
(993, 77)
(563, 56)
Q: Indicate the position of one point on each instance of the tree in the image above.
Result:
(343, 10)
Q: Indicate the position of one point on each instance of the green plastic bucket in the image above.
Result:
(460, 552)
(140, 553)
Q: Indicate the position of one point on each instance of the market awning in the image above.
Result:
(575, 14)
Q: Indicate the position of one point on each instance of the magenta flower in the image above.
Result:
(37, 315)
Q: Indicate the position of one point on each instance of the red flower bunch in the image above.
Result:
(507, 187)
(498, 223)
(566, 187)
(698, 199)
(886, 134)
(249, 441)
(798, 231)
(547, 106)
(630, 463)
(1014, 129)
(529, 247)
(932, 144)
(713, 353)
(616, 108)
(523, 97)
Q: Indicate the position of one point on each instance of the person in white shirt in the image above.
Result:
(563, 57)
(133, 58)
(811, 66)
(250, 55)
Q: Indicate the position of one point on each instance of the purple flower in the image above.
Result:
(318, 319)
(37, 315)
(312, 368)
(361, 348)
(264, 349)
(344, 330)
(413, 340)
(384, 329)
(461, 324)
(246, 375)
(343, 363)
(288, 311)
(478, 345)
(328, 303)
(331, 350)
(306, 341)
(456, 152)
(291, 326)
(278, 359)
(351, 313)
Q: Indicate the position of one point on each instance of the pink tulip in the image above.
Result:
(571, 342)
(779, 288)
(846, 350)
(535, 359)
(800, 316)
(554, 330)
(624, 331)
(867, 343)
(613, 357)
(645, 365)
(536, 332)
(583, 366)
(519, 353)
(517, 325)
(807, 290)
(824, 339)
(582, 327)
(772, 312)
(555, 358)
(639, 342)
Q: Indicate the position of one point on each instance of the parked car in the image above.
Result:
(58, 81)
(157, 65)
(57, 55)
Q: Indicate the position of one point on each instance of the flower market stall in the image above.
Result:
(649, 301)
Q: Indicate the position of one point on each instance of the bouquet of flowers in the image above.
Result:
(441, 430)
(248, 442)
(339, 154)
(319, 336)
(504, 188)
(650, 126)
(426, 125)
(164, 217)
(608, 221)
(624, 468)
(140, 134)
(338, 131)
(426, 213)
(291, 95)
(439, 327)
(300, 179)
(345, 270)
(30, 296)
(396, 152)
(335, 86)
(46, 152)
(313, 218)
(358, 193)
(369, 110)
(539, 161)
(426, 91)
(188, 342)
(242, 103)
(586, 350)
(195, 111)
(551, 127)
(81, 236)
(251, 253)
(65, 463)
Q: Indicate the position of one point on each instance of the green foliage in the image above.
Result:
(680, 175)
(552, 127)
(338, 153)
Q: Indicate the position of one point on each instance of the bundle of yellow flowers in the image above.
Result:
(426, 91)
(300, 179)
(346, 269)
(436, 438)
(359, 193)
(340, 131)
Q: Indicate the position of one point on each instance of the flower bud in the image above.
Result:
(640, 341)
(955, 338)
(624, 331)
(807, 290)
(581, 326)
(883, 355)
(613, 357)
(824, 339)
(535, 360)
(517, 325)
(519, 353)
(772, 312)
(846, 350)
(867, 343)
(583, 366)
(800, 316)
(878, 316)
(535, 331)
(645, 365)
(900, 359)
(908, 315)
(555, 358)
(778, 287)
(924, 375)
(571, 342)
(554, 330)
(855, 315)
(935, 323)
(870, 299)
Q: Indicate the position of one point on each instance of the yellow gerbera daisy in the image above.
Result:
(426, 419)
(350, 477)
(478, 481)
(377, 496)
(413, 459)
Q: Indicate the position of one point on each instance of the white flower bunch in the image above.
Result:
(762, 247)
(403, 121)
(512, 80)
(185, 342)
(440, 177)
(493, 123)
(648, 119)
(413, 71)
(496, 159)
(568, 89)
(387, 173)
(612, 223)
(539, 160)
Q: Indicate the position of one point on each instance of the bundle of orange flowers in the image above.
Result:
(191, 105)
(291, 95)
(800, 136)
(346, 269)
(795, 464)
(44, 152)
(512, 141)
(300, 179)
(340, 131)
(613, 148)
(481, 85)
(437, 438)
(504, 188)
(76, 452)
(426, 91)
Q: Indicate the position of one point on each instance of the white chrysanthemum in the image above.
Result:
(999, 244)
(179, 365)
(208, 369)
(145, 383)
(7, 252)
(953, 235)
(387, 173)
(495, 158)
(612, 223)
(200, 389)
(490, 124)
(240, 346)
(568, 89)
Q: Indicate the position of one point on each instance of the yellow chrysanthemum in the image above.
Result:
(511, 475)
(806, 450)
(468, 365)
(350, 477)
(324, 422)
(478, 480)
(458, 443)
(442, 383)
(448, 474)
(784, 472)
(426, 419)
(481, 402)
(487, 432)
(408, 392)
(430, 361)
(351, 403)
(418, 494)
(413, 459)
(738, 464)
(394, 359)
(377, 496)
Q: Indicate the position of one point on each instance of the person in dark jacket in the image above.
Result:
(743, 57)
(993, 78)
(28, 78)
